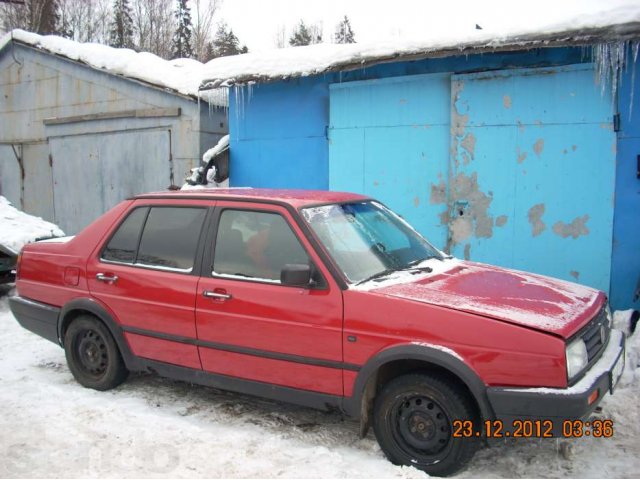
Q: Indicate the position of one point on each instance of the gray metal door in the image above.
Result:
(10, 176)
(94, 172)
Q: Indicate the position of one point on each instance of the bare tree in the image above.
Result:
(154, 24)
(85, 20)
(40, 16)
(280, 37)
(203, 15)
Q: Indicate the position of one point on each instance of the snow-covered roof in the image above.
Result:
(182, 75)
(595, 22)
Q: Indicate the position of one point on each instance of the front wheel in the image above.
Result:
(413, 422)
(92, 354)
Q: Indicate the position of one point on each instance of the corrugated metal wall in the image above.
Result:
(75, 141)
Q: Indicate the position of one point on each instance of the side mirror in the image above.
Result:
(296, 275)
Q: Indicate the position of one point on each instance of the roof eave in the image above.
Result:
(570, 38)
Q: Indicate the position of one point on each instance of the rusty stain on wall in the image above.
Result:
(574, 229)
(506, 101)
(522, 156)
(438, 193)
(575, 274)
(416, 201)
(573, 147)
(501, 220)
(535, 219)
(538, 146)
(467, 251)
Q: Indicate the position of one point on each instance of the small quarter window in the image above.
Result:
(170, 238)
(255, 245)
(124, 243)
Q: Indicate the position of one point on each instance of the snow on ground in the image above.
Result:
(154, 428)
(18, 228)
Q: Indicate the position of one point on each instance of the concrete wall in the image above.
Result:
(43, 162)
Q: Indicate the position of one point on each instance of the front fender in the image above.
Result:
(433, 354)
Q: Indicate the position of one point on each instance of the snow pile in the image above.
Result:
(18, 228)
(615, 18)
(181, 75)
(153, 427)
(220, 147)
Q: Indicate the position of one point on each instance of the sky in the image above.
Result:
(256, 22)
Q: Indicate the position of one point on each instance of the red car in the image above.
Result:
(328, 300)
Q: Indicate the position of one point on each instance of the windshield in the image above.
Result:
(367, 240)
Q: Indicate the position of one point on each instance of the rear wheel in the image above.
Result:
(413, 422)
(92, 354)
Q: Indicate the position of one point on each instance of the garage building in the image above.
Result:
(84, 126)
(520, 151)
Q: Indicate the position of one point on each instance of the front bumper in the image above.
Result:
(40, 318)
(561, 404)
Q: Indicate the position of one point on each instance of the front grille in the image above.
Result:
(596, 334)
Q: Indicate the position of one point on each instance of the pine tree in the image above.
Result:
(182, 36)
(344, 34)
(226, 43)
(304, 35)
(121, 29)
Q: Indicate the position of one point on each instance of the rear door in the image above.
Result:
(255, 328)
(146, 275)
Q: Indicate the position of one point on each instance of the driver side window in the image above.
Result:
(255, 245)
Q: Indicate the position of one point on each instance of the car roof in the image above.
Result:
(295, 198)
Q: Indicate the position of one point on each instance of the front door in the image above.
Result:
(249, 324)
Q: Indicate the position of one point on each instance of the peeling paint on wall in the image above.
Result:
(535, 219)
(538, 146)
(501, 220)
(467, 251)
(574, 229)
(474, 218)
(575, 274)
(469, 144)
(438, 193)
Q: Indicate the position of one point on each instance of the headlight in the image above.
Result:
(577, 357)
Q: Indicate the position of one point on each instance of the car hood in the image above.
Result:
(519, 298)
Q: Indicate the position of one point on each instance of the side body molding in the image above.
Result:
(423, 353)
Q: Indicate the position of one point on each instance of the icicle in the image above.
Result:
(634, 55)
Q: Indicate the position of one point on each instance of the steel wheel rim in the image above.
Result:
(421, 428)
(90, 352)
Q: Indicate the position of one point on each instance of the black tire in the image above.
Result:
(92, 354)
(413, 421)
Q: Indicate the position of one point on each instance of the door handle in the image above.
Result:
(106, 278)
(216, 295)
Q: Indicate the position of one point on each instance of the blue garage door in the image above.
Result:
(533, 172)
(512, 167)
(390, 139)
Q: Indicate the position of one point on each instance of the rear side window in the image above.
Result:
(161, 237)
(170, 237)
(124, 243)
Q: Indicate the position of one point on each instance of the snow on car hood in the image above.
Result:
(516, 297)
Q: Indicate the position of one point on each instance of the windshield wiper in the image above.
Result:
(383, 273)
